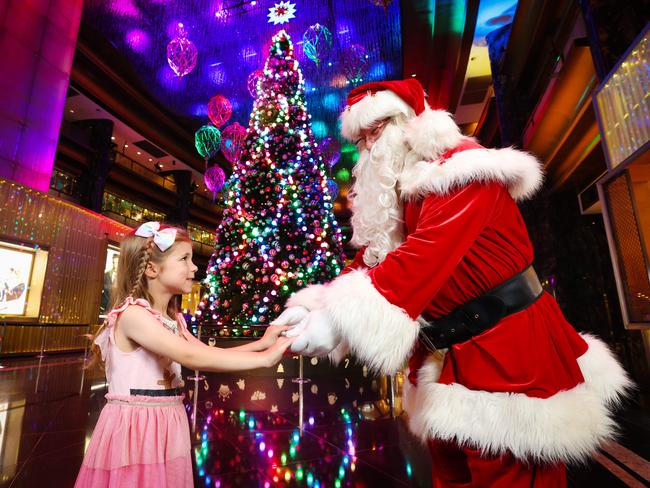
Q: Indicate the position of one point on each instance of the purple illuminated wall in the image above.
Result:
(37, 41)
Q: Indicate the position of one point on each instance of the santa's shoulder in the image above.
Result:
(442, 159)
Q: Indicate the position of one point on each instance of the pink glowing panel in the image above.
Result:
(39, 50)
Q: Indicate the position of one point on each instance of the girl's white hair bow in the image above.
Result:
(164, 239)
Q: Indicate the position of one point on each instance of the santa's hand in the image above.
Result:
(297, 329)
(318, 337)
(291, 316)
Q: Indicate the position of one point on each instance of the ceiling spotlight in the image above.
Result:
(126, 145)
(112, 138)
(71, 111)
(413, 75)
(150, 159)
(138, 153)
(158, 166)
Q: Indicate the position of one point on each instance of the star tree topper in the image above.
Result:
(282, 12)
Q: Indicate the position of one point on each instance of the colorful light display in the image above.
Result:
(278, 232)
(279, 459)
(232, 41)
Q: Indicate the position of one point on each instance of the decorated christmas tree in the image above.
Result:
(278, 232)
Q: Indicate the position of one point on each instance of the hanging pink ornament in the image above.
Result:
(214, 178)
(253, 78)
(330, 150)
(232, 141)
(219, 110)
(181, 53)
(354, 61)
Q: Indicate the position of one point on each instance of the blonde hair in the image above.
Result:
(130, 280)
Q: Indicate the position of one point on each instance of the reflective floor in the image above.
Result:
(245, 430)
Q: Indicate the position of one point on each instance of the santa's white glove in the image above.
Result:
(318, 336)
(292, 317)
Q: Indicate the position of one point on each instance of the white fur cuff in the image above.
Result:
(310, 297)
(376, 332)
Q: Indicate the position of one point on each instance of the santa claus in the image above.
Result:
(504, 390)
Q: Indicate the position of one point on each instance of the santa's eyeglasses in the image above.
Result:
(372, 133)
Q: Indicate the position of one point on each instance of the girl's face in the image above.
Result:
(177, 270)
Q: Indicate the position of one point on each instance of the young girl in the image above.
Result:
(142, 437)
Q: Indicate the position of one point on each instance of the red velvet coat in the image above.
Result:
(531, 386)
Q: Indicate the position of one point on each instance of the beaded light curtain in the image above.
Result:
(76, 240)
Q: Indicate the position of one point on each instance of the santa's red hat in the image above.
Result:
(428, 131)
(409, 91)
(378, 100)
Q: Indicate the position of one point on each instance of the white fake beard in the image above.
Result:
(377, 211)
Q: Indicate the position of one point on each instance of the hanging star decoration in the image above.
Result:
(282, 12)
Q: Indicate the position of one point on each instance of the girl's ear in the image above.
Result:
(151, 271)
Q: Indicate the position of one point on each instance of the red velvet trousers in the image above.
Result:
(456, 467)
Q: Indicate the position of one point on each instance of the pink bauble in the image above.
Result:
(219, 110)
(181, 55)
(214, 178)
(253, 78)
(232, 141)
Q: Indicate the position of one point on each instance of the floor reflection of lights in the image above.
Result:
(253, 446)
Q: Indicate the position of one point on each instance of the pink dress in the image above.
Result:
(142, 438)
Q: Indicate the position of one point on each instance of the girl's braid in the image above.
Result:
(142, 265)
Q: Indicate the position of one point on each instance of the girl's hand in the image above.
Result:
(274, 353)
(271, 335)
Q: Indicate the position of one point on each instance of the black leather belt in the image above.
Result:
(157, 393)
(482, 313)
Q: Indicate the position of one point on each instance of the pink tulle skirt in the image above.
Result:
(139, 441)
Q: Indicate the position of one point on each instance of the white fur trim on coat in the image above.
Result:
(378, 333)
(519, 171)
(566, 427)
(372, 108)
(432, 133)
(310, 297)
